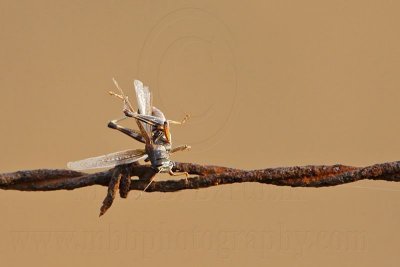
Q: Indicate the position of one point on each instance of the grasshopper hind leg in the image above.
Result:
(132, 133)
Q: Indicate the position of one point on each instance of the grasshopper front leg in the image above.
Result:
(180, 148)
(179, 174)
(187, 116)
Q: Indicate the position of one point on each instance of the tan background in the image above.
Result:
(268, 83)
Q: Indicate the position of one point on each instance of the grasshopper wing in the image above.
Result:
(108, 160)
(158, 113)
(144, 100)
(143, 97)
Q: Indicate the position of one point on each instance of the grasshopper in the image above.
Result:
(154, 132)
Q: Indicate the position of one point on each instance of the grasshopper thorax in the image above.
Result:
(159, 157)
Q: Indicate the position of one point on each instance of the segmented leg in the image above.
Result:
(187, 116)
(130, 132)
(149, 119)
(179, 174)
(180, 148)
(127, 104)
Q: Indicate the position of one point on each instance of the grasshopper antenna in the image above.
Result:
(147, 186)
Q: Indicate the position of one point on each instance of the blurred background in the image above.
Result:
(267, 83)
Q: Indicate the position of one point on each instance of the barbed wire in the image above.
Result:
(119, 178)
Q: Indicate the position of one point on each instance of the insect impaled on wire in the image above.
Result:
(154, 132)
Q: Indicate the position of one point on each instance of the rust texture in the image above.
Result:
(120, 178)
(112, 189)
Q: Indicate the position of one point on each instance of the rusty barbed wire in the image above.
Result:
(119, 178)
